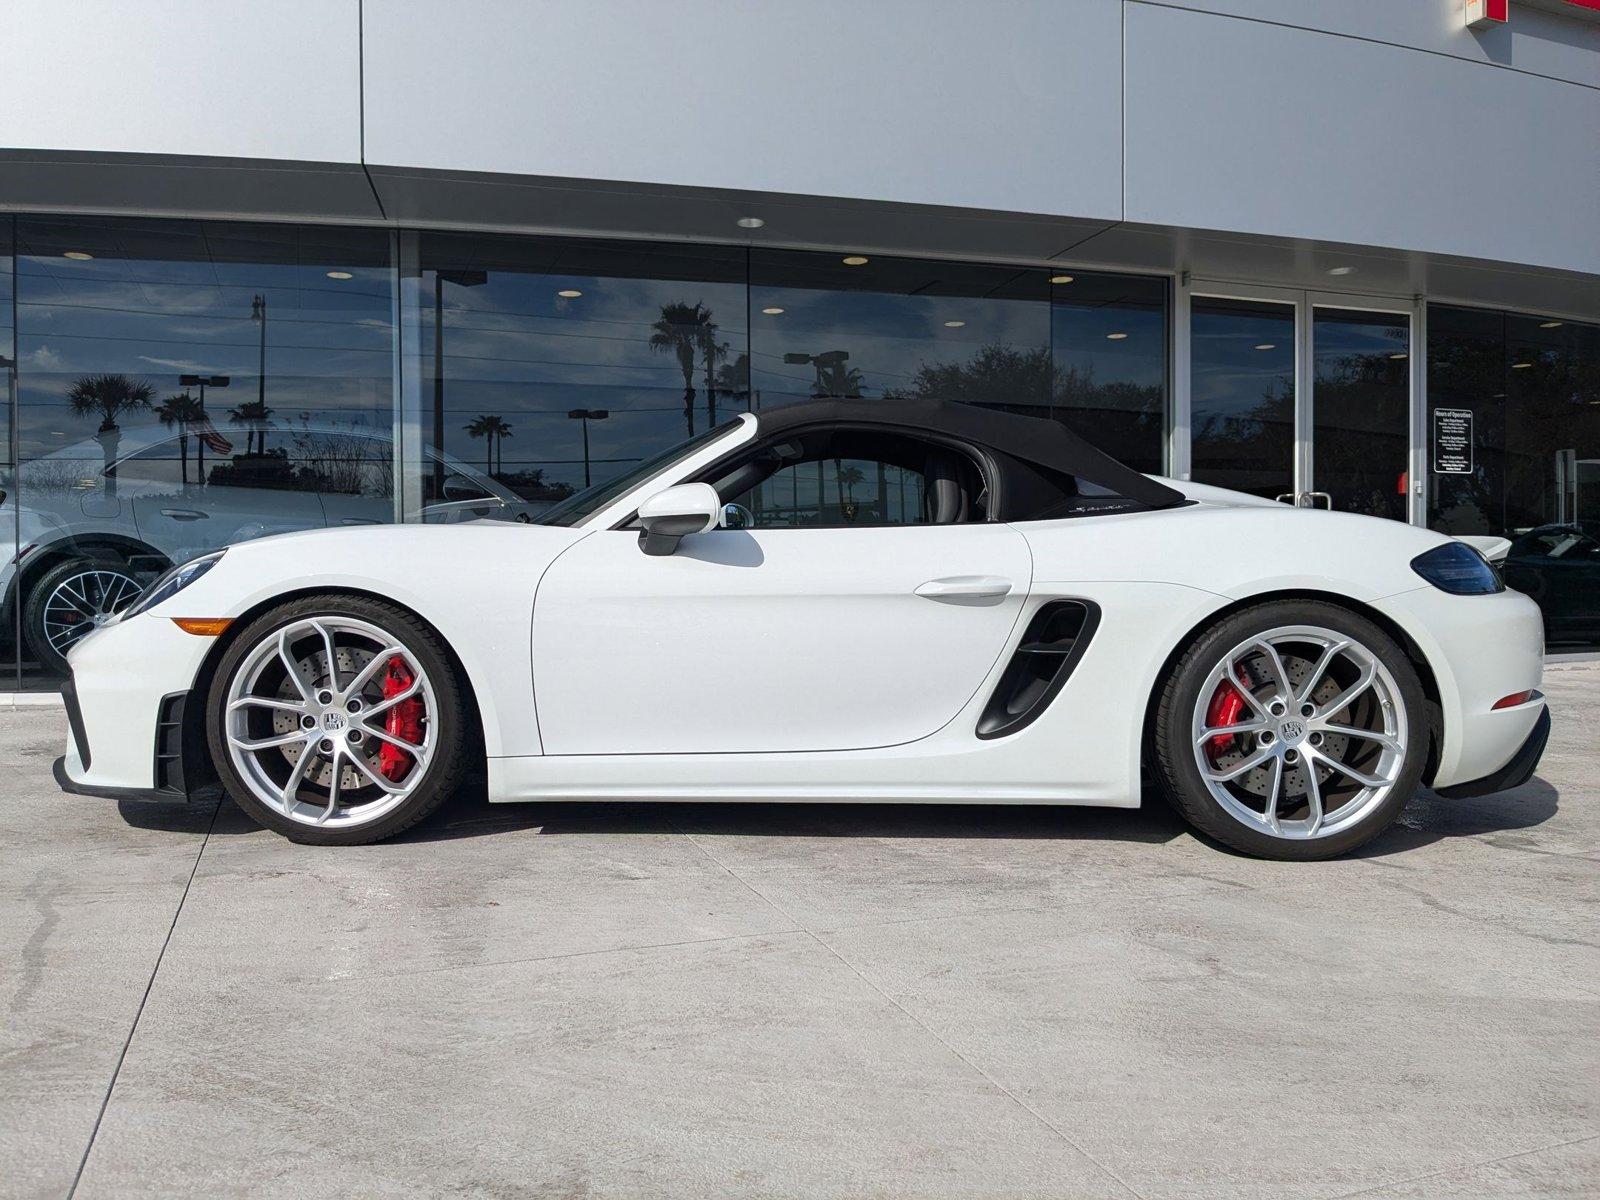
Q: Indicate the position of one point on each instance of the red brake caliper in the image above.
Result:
(403, 721)
(1224, 709)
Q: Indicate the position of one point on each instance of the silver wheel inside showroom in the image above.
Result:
(330, 722)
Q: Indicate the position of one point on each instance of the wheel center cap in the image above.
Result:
(332, 722)
(1292, 731)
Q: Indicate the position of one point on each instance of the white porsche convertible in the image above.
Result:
(837, 600)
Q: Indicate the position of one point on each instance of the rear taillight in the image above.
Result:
(1515, 699)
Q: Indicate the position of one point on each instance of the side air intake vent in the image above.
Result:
(1051, 646)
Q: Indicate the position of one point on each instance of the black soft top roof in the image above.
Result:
(1037, 440)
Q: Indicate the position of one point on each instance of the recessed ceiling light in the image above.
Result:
(1550, 324)
(749, 222)
(954, 324)
(78, 255)
(340, 275)
(1521, 366)
(1115, 337)
(773, 311)
(1061, 279)
(1341, 270)
(854, 260)
(1400, 355)
(569, 293)
(1267, 346)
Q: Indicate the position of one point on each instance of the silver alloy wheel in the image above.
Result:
(1318, 740)
(83, 602)
(306, 720)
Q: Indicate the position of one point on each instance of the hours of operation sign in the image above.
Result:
(1452, 441)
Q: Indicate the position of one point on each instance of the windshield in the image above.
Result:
(580, 507)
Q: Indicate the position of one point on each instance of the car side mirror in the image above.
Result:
(670, 516)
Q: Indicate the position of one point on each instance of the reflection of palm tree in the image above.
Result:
(494, 430)
(835, 381)
(712, 350)
(733, 379)
(688, 332)
(182, 411)
(845, 479)
(253, 415)
(108, 397)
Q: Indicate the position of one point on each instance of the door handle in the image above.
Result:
(184, 514)
(358, 521)
(966, 589)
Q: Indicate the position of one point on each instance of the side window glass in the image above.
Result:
(836, 492)
(842, 479)
(166, 467)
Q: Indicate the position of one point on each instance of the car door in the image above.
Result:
(771, 639)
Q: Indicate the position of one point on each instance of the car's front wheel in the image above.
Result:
(338, 720)
(1292, 730)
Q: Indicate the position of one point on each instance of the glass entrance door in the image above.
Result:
(1359, 449)
(1304, 398)
(1243, 398)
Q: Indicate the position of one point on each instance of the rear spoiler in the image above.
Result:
(1492, 548)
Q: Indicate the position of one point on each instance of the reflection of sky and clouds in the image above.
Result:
(1241, 371)
(1242, 386)
(159, 299)
(122, 311)
(515, 348)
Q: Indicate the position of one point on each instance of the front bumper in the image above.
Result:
(181, 765)
(136, 728)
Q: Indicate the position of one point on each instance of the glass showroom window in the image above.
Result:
(1526, 390)
(183, 385)
(547, 364)
(1109, 353)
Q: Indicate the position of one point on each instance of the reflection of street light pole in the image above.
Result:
(258, 313)
(586, 415)
(461, 279)
(203, 382)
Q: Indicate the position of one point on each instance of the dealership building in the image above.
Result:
(329, 262)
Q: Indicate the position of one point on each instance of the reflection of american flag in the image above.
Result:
(207, 433)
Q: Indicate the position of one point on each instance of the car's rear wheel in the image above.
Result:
(338, 720)
(1292, 730)
(70, 601)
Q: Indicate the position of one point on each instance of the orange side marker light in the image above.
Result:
(203, 626)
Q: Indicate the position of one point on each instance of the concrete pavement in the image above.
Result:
(799, 1001)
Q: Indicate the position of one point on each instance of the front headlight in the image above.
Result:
(173, 582)
(1458, 569)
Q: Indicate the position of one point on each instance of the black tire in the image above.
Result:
(454, 732)
(95, 573)
(1178, 774)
